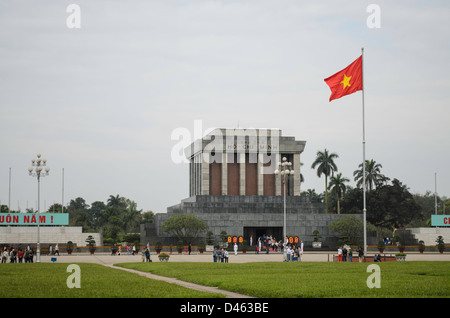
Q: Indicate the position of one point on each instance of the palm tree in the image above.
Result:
(312, 195)
(338, 188)
(373, 176)
(116, 201)
(325, 165)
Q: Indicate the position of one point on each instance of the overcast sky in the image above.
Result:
(102, 101)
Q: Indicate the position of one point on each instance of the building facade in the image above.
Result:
(235, 187)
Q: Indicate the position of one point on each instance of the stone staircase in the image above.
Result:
(429, 234)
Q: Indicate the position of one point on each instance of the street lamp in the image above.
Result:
(38, 172)
(284, 172)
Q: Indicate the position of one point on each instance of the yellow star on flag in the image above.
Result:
(346, 81)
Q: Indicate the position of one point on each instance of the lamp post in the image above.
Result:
(37, 172)
(284, 172)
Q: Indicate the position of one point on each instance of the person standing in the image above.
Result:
(360, 254)
(288, 253)
(344, 254)
(235, 249)
(20, 255)
(189, 248)
(339, 254)
(57, 249)
(301, 250)
(12, 256)
(147, 255)
(5, 255)
(226, 256)
(215, 255)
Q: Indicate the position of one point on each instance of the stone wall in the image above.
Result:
(47, 235)
(233, 214)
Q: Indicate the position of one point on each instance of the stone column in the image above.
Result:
(241, 158)
(296, 165)
(204, 176)
(224, 174)
(260, 174)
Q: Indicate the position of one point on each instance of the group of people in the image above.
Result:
(53, 251)
(294, 252)
(345, 254)
(17, 256)
(220, 255)
(267, 242)
(117, 249)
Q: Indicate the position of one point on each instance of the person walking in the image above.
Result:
(57, 249)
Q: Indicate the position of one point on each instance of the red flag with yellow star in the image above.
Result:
(347, 81)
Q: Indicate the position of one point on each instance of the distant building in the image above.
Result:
(233, 187)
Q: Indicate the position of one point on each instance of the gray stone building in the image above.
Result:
(235, 186)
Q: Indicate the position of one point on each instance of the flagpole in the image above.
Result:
(364, 157)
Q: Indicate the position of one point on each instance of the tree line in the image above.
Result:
(118, 219)
(388, 201)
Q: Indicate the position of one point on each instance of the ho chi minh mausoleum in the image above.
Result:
(233, 187)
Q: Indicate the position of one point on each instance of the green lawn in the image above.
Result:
(311, 279)
(46, 280)
(265, 280)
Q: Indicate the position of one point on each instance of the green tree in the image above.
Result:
(148, 217)
(351, 229)
(185, 227)
(373, 176)
(96, 211)
(338, 188)
(388, 206)
(312, 195)
(55, 208)
(325, 165)
(131, 216)
(79, 214)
